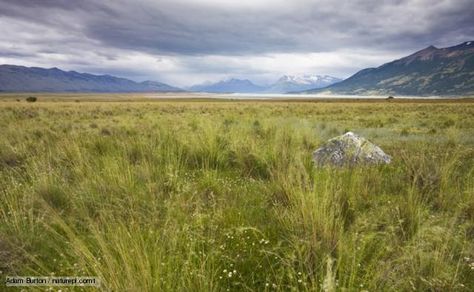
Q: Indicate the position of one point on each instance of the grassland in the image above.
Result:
(223, 196)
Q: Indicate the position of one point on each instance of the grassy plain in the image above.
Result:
(181, 195)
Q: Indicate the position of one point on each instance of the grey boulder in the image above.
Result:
(348, 150)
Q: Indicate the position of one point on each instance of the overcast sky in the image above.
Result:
(183, 42)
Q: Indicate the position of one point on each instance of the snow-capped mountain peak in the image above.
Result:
(308, 79)
(285, 84)
(289, 83)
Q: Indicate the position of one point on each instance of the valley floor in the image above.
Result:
(212, 195)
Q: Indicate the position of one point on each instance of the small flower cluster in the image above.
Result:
(229, 274)
(274, 286)
(470, 262)
(264, 241)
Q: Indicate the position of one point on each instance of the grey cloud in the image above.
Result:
(187, 36)
(167, 27)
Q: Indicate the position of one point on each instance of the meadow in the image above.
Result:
(208, 195)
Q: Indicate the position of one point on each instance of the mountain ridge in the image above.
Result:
(290, 83)
(284, 84)
(230, 85)
(14, 78)
(430, 71)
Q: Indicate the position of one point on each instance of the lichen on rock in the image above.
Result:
(349, 149)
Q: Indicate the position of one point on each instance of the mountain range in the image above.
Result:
(283, 85)
(33, 79)
(289, 83)
(431, 71)
(231, 85)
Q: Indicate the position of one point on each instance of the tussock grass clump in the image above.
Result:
(31, 99)
(224, 196)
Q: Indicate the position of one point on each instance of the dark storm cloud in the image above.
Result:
(301, 26)
(207, 27)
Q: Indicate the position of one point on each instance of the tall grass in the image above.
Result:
(224, 196)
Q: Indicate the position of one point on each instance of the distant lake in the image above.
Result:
(280, 96)
(306, 96)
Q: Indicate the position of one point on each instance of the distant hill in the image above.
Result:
(228, 86)
(431, 71)
(291, 83)
(32, 79)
